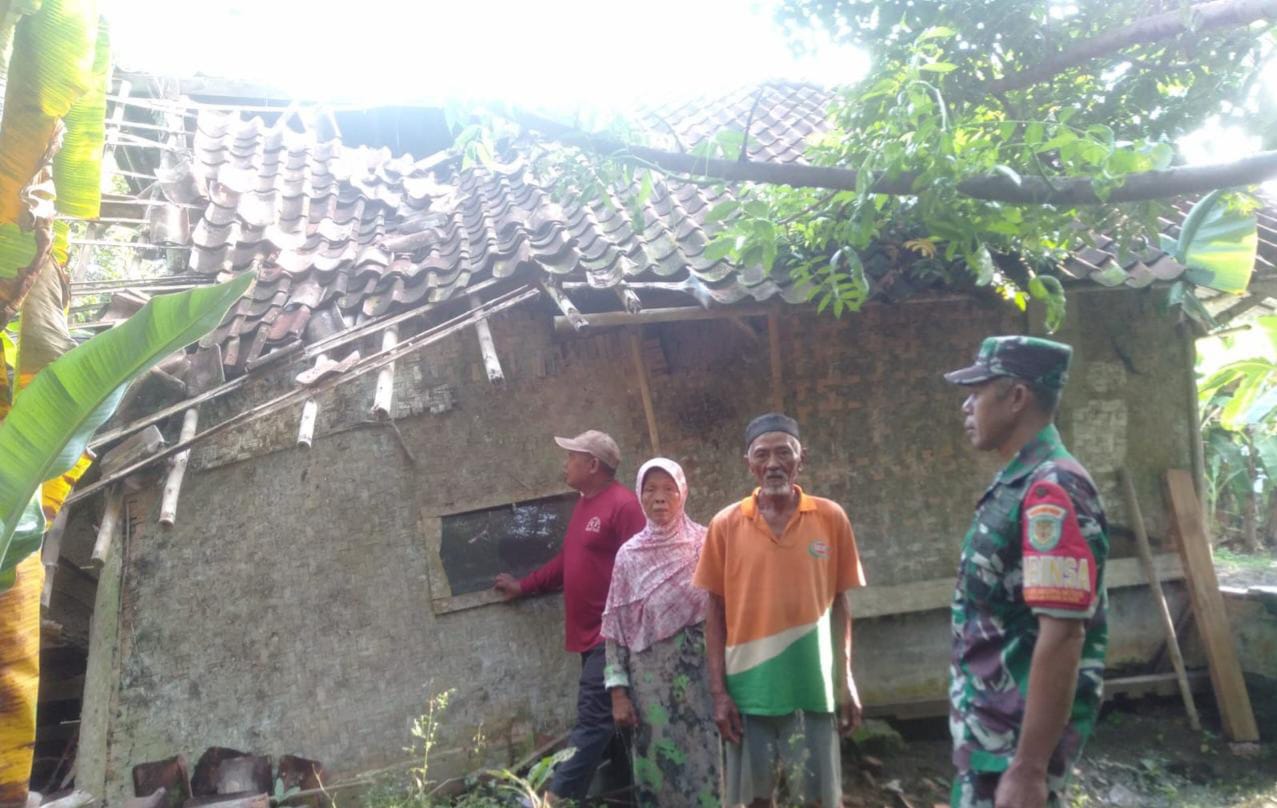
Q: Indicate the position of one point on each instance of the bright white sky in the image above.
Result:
(541, 52)
(544, 53)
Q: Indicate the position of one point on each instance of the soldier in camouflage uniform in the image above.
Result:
(1029, 629)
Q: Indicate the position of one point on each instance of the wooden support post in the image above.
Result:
(491, 363)
(173, 483)
(569, 309)
(1208, 608)
(773, 342)
(113, 505)
(1159, 597)
(640, 369)
(310, 412)
(383, 400)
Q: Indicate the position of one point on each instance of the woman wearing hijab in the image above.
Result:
(654, 624)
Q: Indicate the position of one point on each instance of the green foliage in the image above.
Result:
(487, 788)
(1238, 403)
(54, 416)
(931, 114)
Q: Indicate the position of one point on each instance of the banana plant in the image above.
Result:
(53, 417)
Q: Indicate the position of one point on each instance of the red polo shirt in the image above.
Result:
(583, 568)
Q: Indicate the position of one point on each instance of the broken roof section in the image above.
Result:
(341, 235)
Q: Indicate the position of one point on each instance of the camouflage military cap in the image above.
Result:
(1035, 360)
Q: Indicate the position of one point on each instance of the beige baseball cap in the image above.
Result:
(593, 442)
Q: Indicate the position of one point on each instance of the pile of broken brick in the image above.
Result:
(227, 778)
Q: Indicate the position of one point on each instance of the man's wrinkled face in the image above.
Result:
(577, 469)
(775, 458)
(988, 416)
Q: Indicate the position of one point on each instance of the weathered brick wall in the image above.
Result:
(289, 610)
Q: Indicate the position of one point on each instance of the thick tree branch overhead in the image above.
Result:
(1068, 191)
(1198, 19)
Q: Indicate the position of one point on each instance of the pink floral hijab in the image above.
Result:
(652, 597)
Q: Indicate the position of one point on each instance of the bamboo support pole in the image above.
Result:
(773, 343)
(1159, 597)
(426, 338)
(173, 484)
(310, 414)
(487, 346)
(106, 528)
(383, 400)
(311, 351)
(645, 390)
(565, 304)
(629, 299)
(609, 319)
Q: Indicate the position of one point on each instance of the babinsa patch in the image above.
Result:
(1046, 525)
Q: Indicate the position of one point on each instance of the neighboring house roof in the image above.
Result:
(339, 235)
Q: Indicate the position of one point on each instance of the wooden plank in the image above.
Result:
(1150, 572)
(640, 369)
(1208, 609)
(1155, 684)
(922, 596)
(773, 343)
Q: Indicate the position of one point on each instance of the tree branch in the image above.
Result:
(1198, 19)
(1069, 191)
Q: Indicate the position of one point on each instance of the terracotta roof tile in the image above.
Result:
(342, 234)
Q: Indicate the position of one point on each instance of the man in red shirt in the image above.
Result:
(605, 517)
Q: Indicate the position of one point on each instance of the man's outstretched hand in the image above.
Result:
(508, 586)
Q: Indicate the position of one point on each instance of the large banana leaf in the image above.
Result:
(53, 418)
(77, 169)
(1217, 245)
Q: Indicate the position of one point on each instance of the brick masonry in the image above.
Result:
(289, 610)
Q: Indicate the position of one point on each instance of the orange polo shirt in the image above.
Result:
(779, 593)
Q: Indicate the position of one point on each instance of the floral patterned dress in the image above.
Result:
(675, 748)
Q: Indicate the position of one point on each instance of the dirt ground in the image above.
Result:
(1142, 754)
(1246, 569)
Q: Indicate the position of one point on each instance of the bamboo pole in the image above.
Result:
(106, 528)
(565, 304)
(173, 485)
(310, 414)
(367, 365)
(629, 298)
(609, 319)
(645, 390)
(1159, 597)
(383, 400)
(310, 352)
(487, 346)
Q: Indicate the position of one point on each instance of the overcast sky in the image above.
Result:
(547, 53)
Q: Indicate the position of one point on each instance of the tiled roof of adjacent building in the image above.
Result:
(339, 235)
